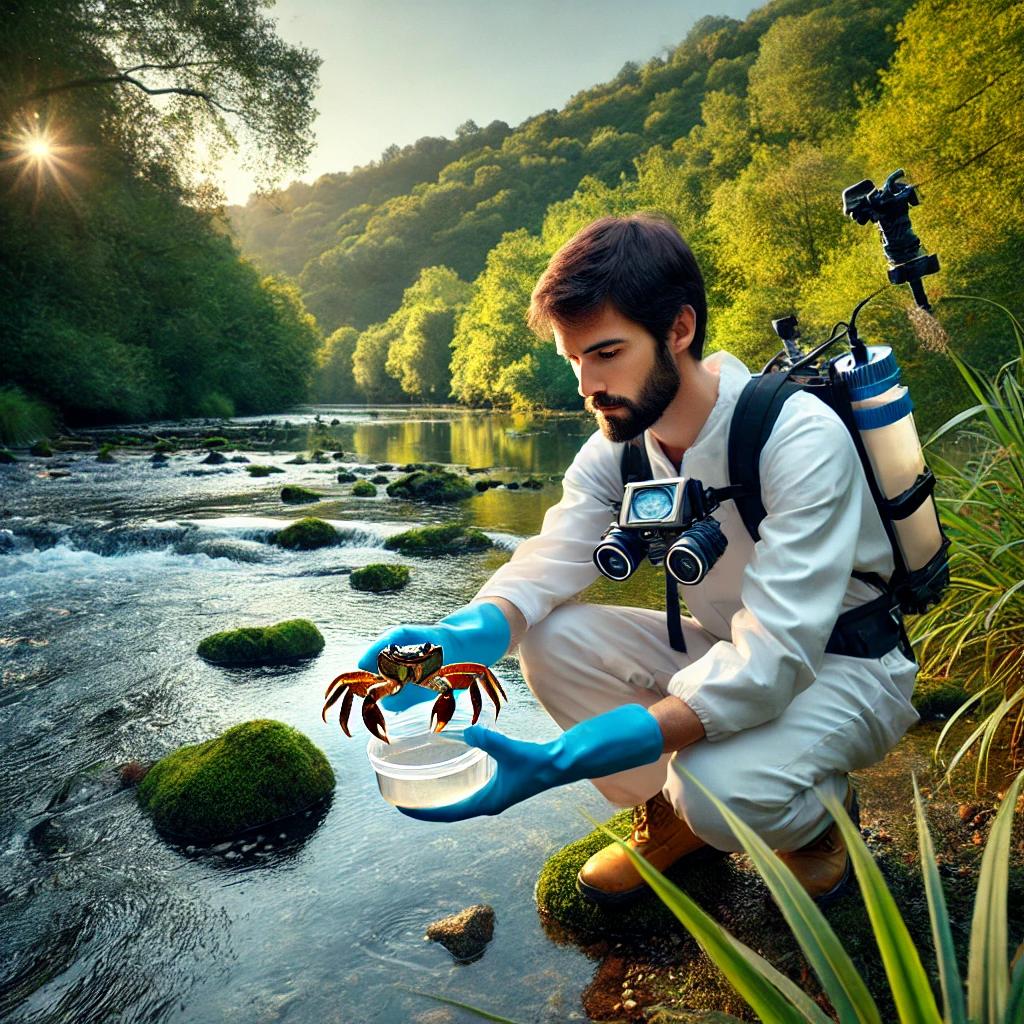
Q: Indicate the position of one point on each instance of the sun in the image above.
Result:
(38, 147)
(37, 156)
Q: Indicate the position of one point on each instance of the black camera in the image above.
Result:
(669, 522)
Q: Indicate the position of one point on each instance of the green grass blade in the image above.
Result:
(839, 978)
(746, 972)
(1015, 998)
(475, 1010)
(911, 991)
(987, 973)
(942, 936)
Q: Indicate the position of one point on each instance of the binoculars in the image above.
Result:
(668, 521)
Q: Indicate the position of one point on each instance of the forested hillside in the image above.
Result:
(746, 136)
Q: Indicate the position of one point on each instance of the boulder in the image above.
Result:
(306, 535)
(255, 774)
(379, 478)
(345, 477)
(465, 935)
(263, 645)
(364, 489)
(257, 469)
(433, 541)
(426, 485)
(293, 495)
(41, 450)
(379, 578)
(213, 459)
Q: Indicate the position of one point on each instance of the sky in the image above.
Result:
(396, 70)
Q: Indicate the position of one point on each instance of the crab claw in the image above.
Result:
(442, 711)
(373, 719)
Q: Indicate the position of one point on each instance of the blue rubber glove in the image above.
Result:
(626, 737)
(476, 632)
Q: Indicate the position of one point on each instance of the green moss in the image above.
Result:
(41, 449)
(263, 645)
(255, 469)
(254, 774)
(163, 447)
(431, 541)
(215, 442)
(106, 453)
(306, 534)
(437, 486)
(6, 458)
(293, 495)
(364, 489)
(379, 578)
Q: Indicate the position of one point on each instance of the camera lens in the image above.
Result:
(619, 554)
(684, 564)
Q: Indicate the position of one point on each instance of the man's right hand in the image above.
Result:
(477, 632)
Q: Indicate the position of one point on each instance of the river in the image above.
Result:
(109, 577)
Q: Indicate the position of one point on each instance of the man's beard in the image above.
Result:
(658, 390)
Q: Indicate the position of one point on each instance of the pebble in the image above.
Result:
(629, 1004)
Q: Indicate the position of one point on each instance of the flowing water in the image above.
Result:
(109, 577)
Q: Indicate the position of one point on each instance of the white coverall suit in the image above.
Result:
(780, 715)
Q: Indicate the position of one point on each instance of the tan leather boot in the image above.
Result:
(658, 836)
(823, 866)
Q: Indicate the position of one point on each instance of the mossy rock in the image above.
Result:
(436, 485)
(257, 469)
(432, 541)
(215, 442)
(345, 477)
(380, 478)
(6, 457)
(263, 645)
(364, 489)
(306, 535)
(297, 461)
(163, 447)
(255, 774)
(41, 450)
(293, 495)
(105, 454)
(379, 578)
(533, 484)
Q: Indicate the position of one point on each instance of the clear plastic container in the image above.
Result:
(420, 768)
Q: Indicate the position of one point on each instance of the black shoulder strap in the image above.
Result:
(753, 417)
(636, 465)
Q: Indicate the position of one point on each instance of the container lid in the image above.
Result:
(433, 755)
(883, 415)
(874, 377)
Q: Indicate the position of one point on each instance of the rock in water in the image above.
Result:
(252, 775)
(465, 935)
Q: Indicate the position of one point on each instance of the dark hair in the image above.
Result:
(639, 263)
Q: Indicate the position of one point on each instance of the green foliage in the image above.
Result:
(294, 495)
(306, 534)
(255, 773)
(23, 419)
(105, 454)
(435, 541)
(422, 328)
(975, 634)
(379, 578)
(369, 361)
(333, 381)
(992, 994)
(128, 301)
(263, 645)
(434, 486)
(363, 489)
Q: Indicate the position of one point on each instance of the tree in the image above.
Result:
(221, 71)
(334, 382)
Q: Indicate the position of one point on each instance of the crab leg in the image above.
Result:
(466, 673)
(374, 719)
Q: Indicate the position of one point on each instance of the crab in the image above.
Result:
(422, 664)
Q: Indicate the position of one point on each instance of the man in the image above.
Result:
(755, 708)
